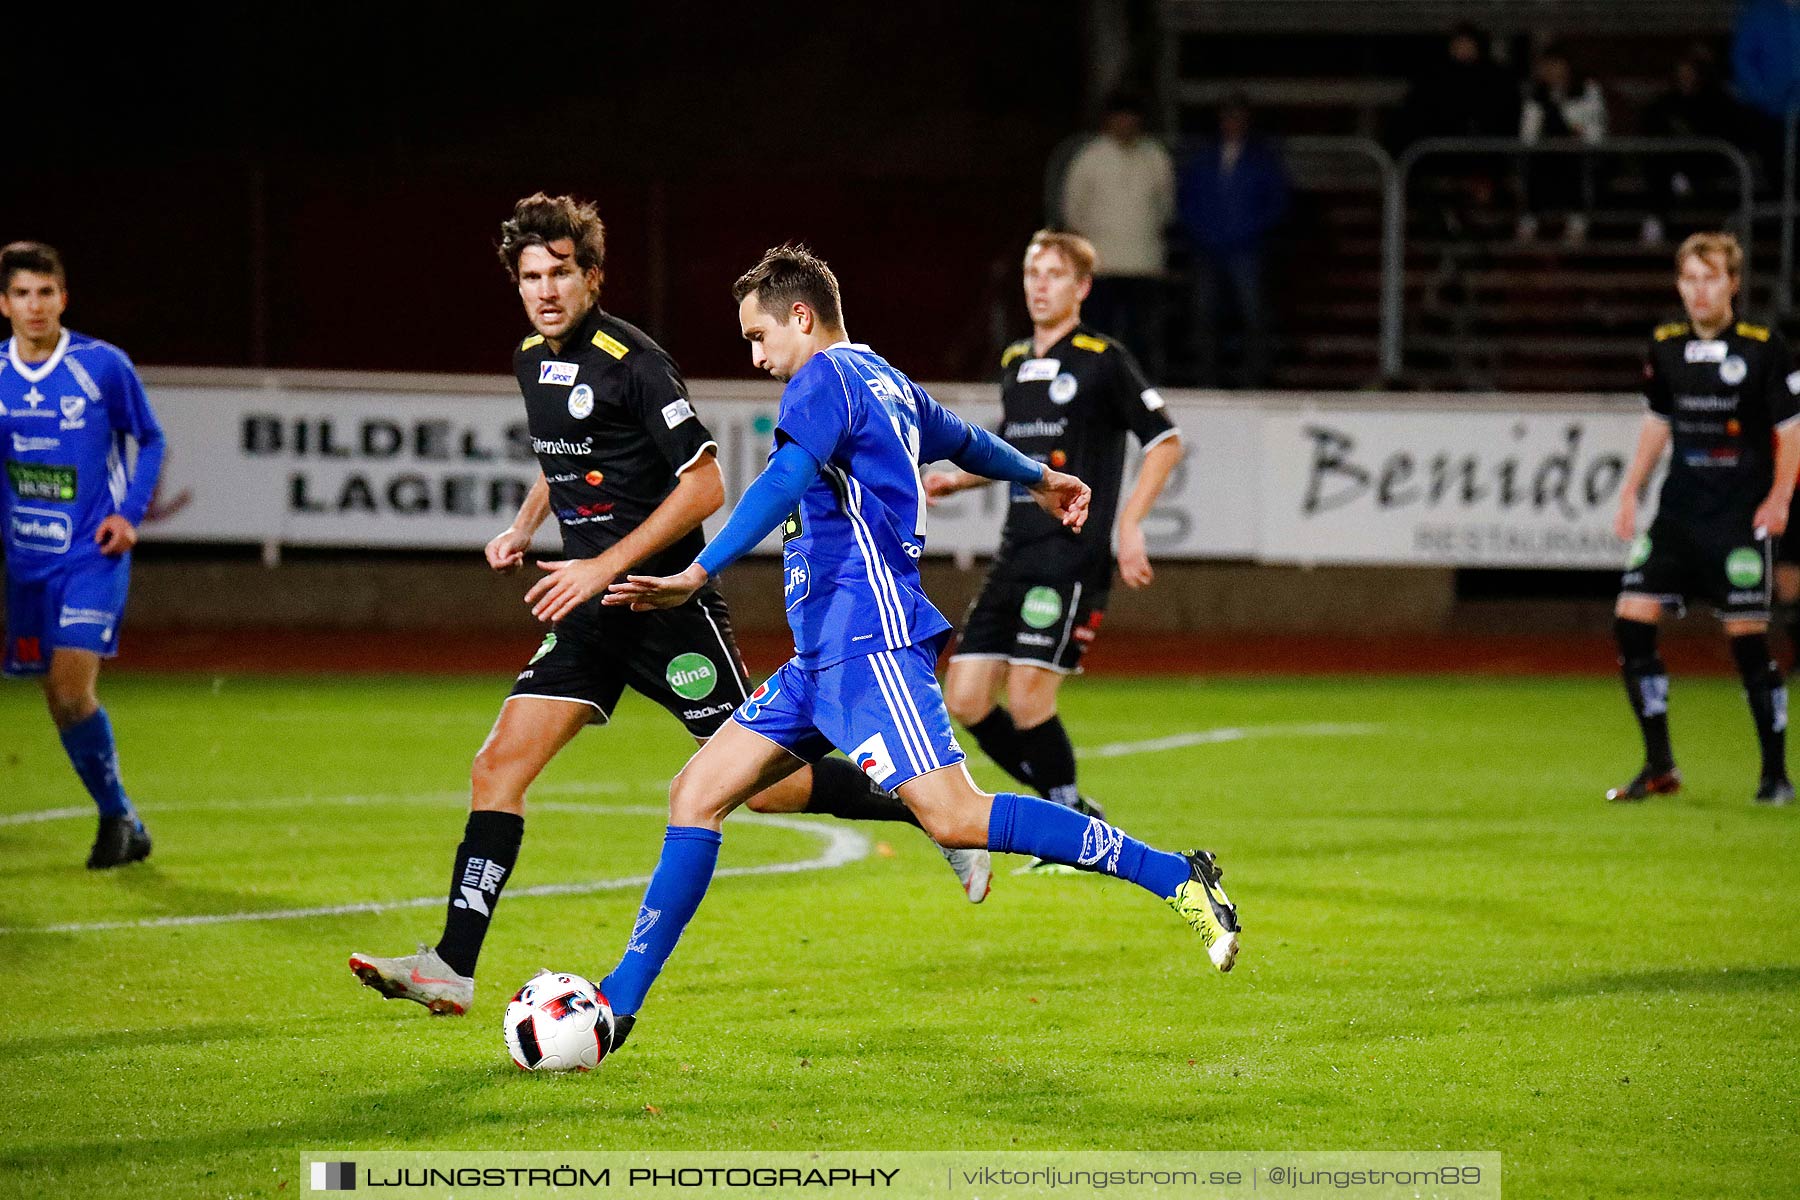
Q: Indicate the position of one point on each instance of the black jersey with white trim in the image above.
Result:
(1723, 397)
(612, 427)
(1071, 407)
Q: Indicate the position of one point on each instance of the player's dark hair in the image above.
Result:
(538, 220)
(789, 275)
(35, 257)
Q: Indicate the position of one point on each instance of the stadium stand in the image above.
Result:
(1483, 308)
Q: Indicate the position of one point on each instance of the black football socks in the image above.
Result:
(1049, 759)
(998, 738)
(1647, 687)
(484, 861)
(1767, 693)
(840, 789)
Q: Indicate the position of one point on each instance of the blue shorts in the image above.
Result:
(883, 710)
(77, 607)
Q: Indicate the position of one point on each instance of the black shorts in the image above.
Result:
(1721, 561)
(683, 658)
(1033, 623)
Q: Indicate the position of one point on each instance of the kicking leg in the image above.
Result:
(71, 692)
(836, 787)
(1044, 744)
(527, 735)
(730, 768)
(957, 813)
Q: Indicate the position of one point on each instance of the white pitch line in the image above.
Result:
(608, 787)
(842, 846)
(1178, 741)
(1212, 737)
(47, 814)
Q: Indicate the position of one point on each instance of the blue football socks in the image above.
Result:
(1027, 825)
(682, 874)
(89, 745)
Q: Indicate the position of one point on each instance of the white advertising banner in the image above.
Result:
(324, 459)
(1526, 488)
(318, 460)
(339, 468)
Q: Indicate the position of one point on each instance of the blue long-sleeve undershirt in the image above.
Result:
(777, 491)
(768, 500)
(984, 454)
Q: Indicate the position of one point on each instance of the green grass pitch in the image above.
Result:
(1450, 942)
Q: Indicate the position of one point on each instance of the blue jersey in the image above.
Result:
(851, 550)
(63, 425)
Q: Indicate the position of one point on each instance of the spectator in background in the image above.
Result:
(1120, 195)
(1559, 105)
(1467, 94)
(1233, 191)
(1765, 65)
(1695, 106)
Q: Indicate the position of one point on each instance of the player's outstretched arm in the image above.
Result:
(940, 484)
(699, 491)
(770, 497)
(506, 552)
(1062, 496)
(645, 592)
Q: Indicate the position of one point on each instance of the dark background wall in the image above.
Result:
(327, 194)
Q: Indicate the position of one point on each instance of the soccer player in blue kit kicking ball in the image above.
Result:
(850, 437)
(71, 510)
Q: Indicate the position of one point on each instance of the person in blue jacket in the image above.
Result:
(1229, 195)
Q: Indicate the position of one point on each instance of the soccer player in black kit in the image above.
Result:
(1722, 394)
(1069, 397)
(630, 472)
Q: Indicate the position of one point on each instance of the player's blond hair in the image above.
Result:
(1708, 246)
(1076, 249)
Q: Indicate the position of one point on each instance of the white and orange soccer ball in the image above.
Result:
(558, 1022)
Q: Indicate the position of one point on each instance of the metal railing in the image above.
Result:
(1393, 239)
